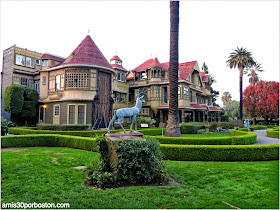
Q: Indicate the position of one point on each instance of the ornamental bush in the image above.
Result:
(188, 129)
(258, 127)
(14, 99)
(145, 120)
(273, 133)
(138, 162)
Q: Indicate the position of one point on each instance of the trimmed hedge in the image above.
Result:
(24, 131)
(276, 128)
(58, 127)
(258, 127)
(152, 132)
(238, 138)
(220, 153)
(243, 129)
(188, 128)
(272, 133)
(50, 140)
(170, 151)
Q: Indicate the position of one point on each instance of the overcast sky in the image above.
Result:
(139, 30)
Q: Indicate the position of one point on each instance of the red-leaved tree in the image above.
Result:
(262, 100)
(250, 99)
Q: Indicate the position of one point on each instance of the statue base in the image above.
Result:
(113, 140)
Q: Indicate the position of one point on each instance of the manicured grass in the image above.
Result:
(215, 134)
(46, 174)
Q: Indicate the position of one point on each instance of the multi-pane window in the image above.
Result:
(76, 114)
(36, 85)
(56, 111)
(57, 82)
(186, 90)
(153, 90)
(45, 63)
(30, 62)
(120, 77)
(144, 111)
(155, 73)
(24, 82)
(179, 90)
(81, 114)
(120, 97)
(20, 60)
(71, 114)
(76, 79)
(191, 98)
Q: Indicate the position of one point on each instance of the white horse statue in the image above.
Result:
(128, 112)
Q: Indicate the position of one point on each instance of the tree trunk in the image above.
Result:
(173, 128)
(241, 92)
(254, 121)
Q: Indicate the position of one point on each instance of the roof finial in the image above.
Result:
(116, 52)
(151, 55)
(88, 29)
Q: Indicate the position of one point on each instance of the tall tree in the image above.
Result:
(240, 58)
(226, 98)
(250, 99)
(172, 128)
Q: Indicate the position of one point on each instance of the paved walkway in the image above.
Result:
(263, 139)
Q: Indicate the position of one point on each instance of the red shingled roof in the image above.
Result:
(87, 53)
(205, 78)
(184, 68)
(116, 58)
(201, 73)
(155, 63)
(197, 106)
(52, 57)
(213, 108)
(118, 66)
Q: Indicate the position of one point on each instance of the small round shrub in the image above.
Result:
(4, 126)
(188, 129)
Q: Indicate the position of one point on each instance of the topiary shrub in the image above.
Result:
(14, 99)
(188, 129)
(138, 162)
(213, 126)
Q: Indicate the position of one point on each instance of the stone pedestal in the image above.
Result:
(113, 140)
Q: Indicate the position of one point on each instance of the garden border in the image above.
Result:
(170, 151)
(272, 133)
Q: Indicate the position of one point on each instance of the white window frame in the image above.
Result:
(179, 90)
(38, 62)
(44, 78)
(19, 59)
(57, 82)
(56, 113)
(45, 62)
(26, 82)
(30, 61)
(186, 90)
(120, 77)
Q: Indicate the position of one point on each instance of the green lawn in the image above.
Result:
(46, 174)
(215, 134)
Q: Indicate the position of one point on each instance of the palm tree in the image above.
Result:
(172, 128)
(253, 76)
(240, 58)
(226, 98)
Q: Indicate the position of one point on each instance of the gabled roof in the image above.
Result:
(185, 69)
(130, 76)
(87, 53)
(147, 64)
(197, 106)
(204, 77)
(52, 57)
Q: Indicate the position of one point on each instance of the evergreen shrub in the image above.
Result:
(188, 128)
(138, 162)
(4, 126)
(273, 133)
(14, 99)
(258, 127)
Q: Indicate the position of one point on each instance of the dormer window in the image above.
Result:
(155, 73)
(118, 63)
(45, 63)
(143, 75)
